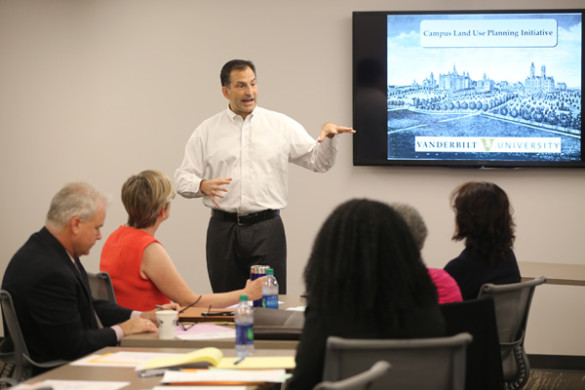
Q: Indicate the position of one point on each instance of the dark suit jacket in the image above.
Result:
(53, 302)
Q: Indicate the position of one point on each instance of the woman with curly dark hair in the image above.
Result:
(484, 220)
(364, 279)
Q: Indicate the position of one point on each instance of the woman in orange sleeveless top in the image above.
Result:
(141, 270)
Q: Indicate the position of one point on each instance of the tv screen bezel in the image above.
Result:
(370, 41)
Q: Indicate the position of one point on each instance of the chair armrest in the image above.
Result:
(9, 381)
(49, 364)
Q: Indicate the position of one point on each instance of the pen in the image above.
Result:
(239, 360)
(149, 373)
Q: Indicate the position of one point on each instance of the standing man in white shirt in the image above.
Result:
(237, 160)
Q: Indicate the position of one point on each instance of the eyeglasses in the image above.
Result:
(219, 313)
(186, 326)
(190, 324)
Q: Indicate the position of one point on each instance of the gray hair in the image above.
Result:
(414, 220)
(74, 200)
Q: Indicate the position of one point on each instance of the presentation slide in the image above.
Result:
(494, 86)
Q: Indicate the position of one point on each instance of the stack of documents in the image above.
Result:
(179, 369)
(224, 377)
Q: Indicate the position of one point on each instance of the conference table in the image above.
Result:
(72, 372)
(151, 340)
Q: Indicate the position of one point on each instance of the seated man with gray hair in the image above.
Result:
(58, 317)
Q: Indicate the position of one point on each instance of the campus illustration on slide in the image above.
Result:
(499, 87)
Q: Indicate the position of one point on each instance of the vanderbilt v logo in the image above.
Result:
(487, 143)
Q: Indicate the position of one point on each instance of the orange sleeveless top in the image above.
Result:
(121, 258)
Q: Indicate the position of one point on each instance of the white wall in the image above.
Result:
(99, 90)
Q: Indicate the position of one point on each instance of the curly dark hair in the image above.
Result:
(484, 220)
(365, 262)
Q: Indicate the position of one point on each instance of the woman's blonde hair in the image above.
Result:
(145, 195)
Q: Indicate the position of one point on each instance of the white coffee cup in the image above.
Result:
(167, 321)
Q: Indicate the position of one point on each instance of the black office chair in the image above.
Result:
(6, 365)
(512, 304)
(436, 363)
(483, 361)
(23, 363)
(361, 381)
(101, 286)
(6, 362)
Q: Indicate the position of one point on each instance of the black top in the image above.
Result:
(53, 302)
(310, 358)
(471, 272)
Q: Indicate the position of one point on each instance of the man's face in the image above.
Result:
(88, 232)
(242, 92)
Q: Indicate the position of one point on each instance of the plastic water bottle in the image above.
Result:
(270, 290)
(244, 319)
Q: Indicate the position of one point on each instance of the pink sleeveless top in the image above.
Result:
(447, 287)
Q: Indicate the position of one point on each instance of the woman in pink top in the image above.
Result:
(142, 271)
(447, 288)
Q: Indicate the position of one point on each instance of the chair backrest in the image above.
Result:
(361, 381)
(483, 362)
(24, 365)
(101, 286)
(512, 304)
(417, 364)
(22, 369)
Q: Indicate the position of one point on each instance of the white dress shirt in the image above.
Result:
(255, 153)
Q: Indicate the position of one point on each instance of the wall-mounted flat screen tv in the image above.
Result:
(468, 88)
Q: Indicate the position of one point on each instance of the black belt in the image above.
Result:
(248, 219)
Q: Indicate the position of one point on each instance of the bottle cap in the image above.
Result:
(243, 297)
(270, 271)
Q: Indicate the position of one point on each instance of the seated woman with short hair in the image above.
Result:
(483, 218)
(142, 271)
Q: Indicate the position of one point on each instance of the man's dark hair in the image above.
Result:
(231, 65)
